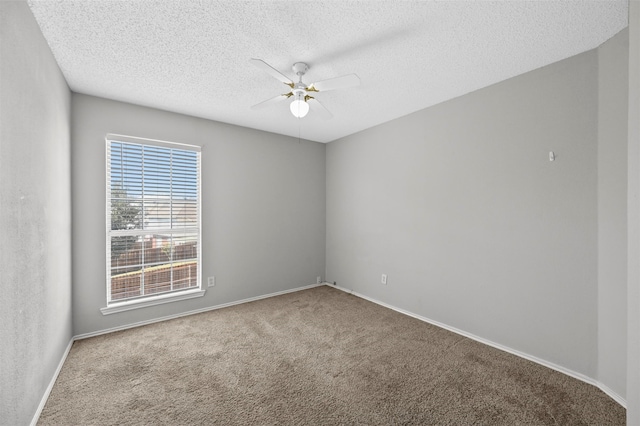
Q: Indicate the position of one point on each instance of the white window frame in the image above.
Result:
(144, 301)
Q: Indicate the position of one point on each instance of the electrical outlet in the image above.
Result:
(211, 281)
(318, 280)
(383, 280)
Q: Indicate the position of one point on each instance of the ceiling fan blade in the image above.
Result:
(272, 71)
(343, 82)
(318, 108)
(271, 101)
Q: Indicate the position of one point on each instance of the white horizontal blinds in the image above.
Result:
(153, 203)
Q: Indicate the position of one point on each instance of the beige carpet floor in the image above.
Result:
(314, 357)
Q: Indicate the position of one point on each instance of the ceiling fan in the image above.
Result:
(300, 92)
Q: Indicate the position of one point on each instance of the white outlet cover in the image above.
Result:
(211, 281)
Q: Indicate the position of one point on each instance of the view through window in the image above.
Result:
(153, 219)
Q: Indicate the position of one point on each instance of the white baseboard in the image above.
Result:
(617, 398)
(532, 358)
(542, 362)
(47, 392)
(193, 312)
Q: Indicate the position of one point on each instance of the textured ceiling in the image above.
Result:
(192, 56)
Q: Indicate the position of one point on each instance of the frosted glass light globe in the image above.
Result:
(299, 108)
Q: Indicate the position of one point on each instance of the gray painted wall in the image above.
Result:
(633, 291)
(475, 227)
(417, 198)
(263, 208)
(35, 215)
(613, 86)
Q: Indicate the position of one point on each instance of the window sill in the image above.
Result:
(129, 305)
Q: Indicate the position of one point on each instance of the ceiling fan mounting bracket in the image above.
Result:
(300, 68)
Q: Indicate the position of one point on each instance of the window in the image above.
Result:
(153, 222)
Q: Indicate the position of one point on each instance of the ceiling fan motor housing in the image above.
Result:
(299, 94)
(299, 89)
